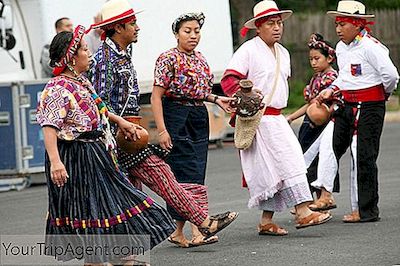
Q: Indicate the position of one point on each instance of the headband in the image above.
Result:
(315, 44)
(187, 17)
(71, 50)
(356, 22)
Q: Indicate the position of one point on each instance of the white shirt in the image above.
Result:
(365, 63)
(256, 60)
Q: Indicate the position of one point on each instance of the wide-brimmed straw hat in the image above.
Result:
(113, 11)
(352, 9)
(264, 9)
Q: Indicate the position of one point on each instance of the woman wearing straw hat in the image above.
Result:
(114, 77)
(273, 166)
(367, 77)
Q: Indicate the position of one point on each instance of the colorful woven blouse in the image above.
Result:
(319, 82)
(58, 107)
(185, 77)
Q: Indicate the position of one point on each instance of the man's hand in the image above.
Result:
(129, 129)
(324, 95)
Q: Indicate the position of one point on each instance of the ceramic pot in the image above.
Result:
(247, 102)
(131, 146)
(318, 113)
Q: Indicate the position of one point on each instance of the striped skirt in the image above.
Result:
(98, 199)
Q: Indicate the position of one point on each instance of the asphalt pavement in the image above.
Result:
(334, 243)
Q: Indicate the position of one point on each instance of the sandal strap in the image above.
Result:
(312, 217)
(267, 227)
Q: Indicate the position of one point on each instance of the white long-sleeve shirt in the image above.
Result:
(365, 63)
(255, 60)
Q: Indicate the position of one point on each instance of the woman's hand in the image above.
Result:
(129, 129)
(225, 103)
(165, 140)
(58, 173)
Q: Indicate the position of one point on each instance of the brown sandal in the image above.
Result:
(353, 217)
(185, 244)
(315, 218)
(204, 241)
(270, 229)
(323, 205)
(223, 220)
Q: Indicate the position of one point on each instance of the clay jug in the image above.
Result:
(247, 102)
(131, 146)
(318, 113)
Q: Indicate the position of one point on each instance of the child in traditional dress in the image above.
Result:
(321, 57)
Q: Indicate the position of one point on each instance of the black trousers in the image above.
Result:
(368, 128)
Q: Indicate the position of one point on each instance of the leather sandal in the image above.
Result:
(323, 204)
(271, 229)
(353, 217)
(223, 220)
(315, 218)
(204, 241)
(184, 244)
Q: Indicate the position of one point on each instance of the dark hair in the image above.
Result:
(110, 32)
(59, 46)
(179, 25)
(59, 22)
(318, 37)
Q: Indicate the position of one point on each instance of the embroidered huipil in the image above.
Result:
(185, 77)
(59, 108)
(365, 63)
(114, 78)
(319, 82)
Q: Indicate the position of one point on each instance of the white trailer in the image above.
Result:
(31, 24)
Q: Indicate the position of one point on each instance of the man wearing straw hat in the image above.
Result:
(114, 77)
(273, 166)
(367, 77)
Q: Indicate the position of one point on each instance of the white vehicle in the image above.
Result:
(27, 25)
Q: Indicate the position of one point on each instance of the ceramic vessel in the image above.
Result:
(318, 113)
(131, 146)
(247, 102)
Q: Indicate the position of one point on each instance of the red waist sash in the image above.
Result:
(272, 111)
(372, 94)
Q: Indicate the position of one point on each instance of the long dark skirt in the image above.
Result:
(98, 199)
(188, 127)
(308, 133)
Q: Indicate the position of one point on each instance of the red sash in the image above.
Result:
(372, 94)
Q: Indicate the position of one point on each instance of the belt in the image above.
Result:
(185, 101)
(272, 111)
(372, 94)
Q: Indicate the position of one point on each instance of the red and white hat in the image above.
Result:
(347, 8)
(264, 9)
(114, 11)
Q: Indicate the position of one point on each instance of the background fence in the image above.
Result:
(298, 28)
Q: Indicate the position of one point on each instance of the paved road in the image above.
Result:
(334, 243)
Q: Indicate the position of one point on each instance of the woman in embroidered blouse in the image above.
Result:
(182, 82)
(88, 194)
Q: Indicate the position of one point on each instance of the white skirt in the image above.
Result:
(274, 157)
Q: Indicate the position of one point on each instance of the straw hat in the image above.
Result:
(264, 9)
(348, 8)
(113, 11)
